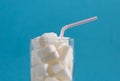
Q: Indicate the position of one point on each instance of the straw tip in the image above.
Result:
(96, 17)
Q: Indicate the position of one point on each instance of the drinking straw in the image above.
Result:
(64, 28)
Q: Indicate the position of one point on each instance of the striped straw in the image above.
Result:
(64, 28)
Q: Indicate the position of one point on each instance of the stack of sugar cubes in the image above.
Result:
(51, 58)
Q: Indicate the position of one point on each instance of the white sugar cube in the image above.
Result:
(70, 66)
(48, 54)
(34, 52)
(33, 74)
(66, 53)
(35, 43)
(48, 38)
(46, 51)
(49, 48)
(57, 67)
(41, 70)
(35, 60)
(59, 43)
(51, 79)
(64, 75)
(66, 49)
(50, 57)
(66, 56)
(49, 70)
(39, 79)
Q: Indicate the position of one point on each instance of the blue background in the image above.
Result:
(97, 44)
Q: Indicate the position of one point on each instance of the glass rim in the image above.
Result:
(69, 38)
(64, 38)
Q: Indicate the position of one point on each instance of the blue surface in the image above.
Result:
(97, 44)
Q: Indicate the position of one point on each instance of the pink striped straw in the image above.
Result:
(76, 24)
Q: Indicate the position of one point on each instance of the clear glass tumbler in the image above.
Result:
(52, 61)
